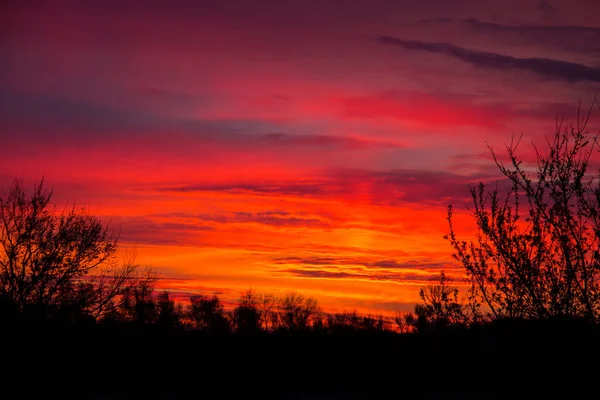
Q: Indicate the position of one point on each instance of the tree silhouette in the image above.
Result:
(439, 308)
(352, 322)
(138, 305)
(246, 315)
(536, 253)
(296, 311)
(169, 313)
(53, 260)
(207, 314)
(269, 317)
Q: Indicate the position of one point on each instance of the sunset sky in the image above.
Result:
(285, 145)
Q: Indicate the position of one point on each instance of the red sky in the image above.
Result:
(285, 145)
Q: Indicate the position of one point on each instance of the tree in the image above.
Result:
(405, 322)
(344, 322)
(268, 314)
(52, 259)
(169, 313)
(536, 252)
(440, 307)
(136, 303)
(207, 314)
(297, 311)
(246, 315)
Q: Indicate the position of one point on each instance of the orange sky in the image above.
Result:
(285, 145)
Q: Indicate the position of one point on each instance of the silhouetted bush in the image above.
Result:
(537, 250)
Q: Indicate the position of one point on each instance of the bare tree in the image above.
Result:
(296, 311)
(207, 314)
(137, 304)
(268, 314)
(246, 315)
(344, 321)
(54, 258)
(404, 322)
(536, 252)
(440, 307)
(110, 282)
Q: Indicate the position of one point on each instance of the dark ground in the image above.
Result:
(100, 363)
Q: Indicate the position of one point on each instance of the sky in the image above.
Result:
(283, 145)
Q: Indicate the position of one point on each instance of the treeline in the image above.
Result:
(140, 307)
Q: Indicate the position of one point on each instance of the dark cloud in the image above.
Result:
(378, 276)
(274, 218)
(546, 8)
(310, 260)
(412, 186)
(285, 188)
(273, 212)
(545, 67)
(375, 187)
(388, 264)
(54, 117)
(273, 139)
(45, 109)
(320, 274)
(147, 230)
(582, 32)
(393, 264)
(583, 39)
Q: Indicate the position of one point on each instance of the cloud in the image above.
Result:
(393, 264)
(379, 276)
(44, 109)
(148, 230)
(544, 67)
(573, 38)
(546, 8)
(375, 187)
(410, 186)
(55, 117)
(309, 260)
(280, 139)
(387, 264)
(366, 268)
(278, 218)
(294, 188)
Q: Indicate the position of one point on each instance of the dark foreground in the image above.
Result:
(511, 360)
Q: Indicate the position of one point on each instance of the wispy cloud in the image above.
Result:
(368, 263)
(148, 230)
(272, 218)
(378, 187)
(104, 123)
(572, 38)
(379, 276)
(281, 139)
(544, 67)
